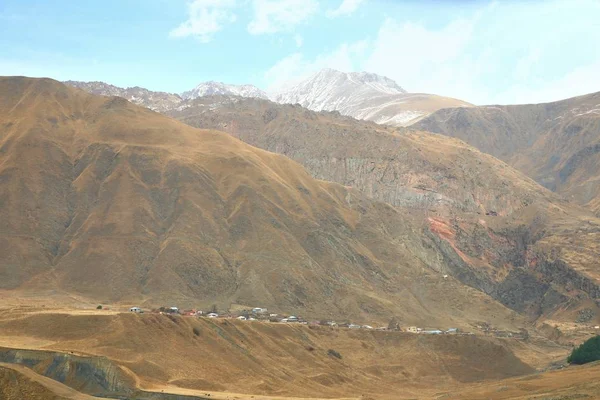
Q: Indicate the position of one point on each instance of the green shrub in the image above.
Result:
(99, 307)
(587, 352)
(334, 353)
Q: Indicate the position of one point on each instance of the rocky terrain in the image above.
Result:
(157, 101)
(162, 101)
(217, 88)
(497, 230)
(364, 96)
(557, 144)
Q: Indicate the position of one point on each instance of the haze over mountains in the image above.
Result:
(360, 95)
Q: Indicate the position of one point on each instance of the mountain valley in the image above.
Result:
(328, 217)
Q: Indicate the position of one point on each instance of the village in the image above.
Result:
(262, 314)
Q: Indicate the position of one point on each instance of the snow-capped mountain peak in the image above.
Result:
(380, 83)
(218, 88)
(330, 89)
(362, 95)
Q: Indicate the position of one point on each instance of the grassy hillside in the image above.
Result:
(259, 358)
(557, 144)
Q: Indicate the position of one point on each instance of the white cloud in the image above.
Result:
(205, 18)
(423, 60)
(581, 80)
(299, 41)
(347, 7)
(272, 16)
(525, 65)
(500, 54)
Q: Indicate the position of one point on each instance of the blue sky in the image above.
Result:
(479, 51)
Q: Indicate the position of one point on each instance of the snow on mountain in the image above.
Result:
(156, 101)
(363, 95)
(163, 101)
(332, 90)
(218, 88)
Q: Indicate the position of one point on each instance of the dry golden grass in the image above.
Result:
(273, 360)
(443, 187)
(578, 382)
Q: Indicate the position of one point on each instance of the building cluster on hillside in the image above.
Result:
(262, 314)
(500, 333)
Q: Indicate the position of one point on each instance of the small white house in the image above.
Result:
(292, 318)
(258, 310)
(241, 318)
(213, 315)
(135, 309)
(412, 329)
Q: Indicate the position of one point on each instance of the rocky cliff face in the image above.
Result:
(557, 144)
(485, 218)
(96, 376)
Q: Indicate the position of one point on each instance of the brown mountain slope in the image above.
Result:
(557, 144)
(575, 382)
(526, 256)
(108, 200)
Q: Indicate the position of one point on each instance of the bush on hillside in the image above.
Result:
(587, 352)
(334, 353)
(99, 307)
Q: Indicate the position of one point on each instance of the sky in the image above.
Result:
(484, 52)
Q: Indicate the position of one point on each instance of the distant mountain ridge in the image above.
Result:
(163, 101)
(218, 88)
(156, 101)
(361, 95)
